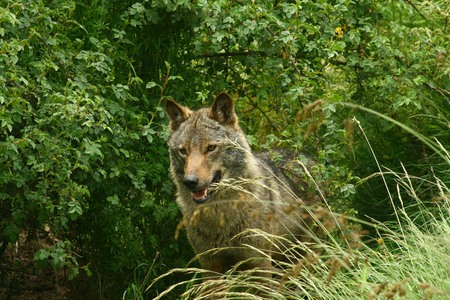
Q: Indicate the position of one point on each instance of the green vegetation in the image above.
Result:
(362, 86)
(408, 261)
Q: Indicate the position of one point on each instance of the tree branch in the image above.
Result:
(416, 9)
(232, 54)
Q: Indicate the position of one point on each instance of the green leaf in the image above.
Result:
(114, 200)
(12, 232)
(92, 148)
(41, 255)
(75, 209)
(151, 84)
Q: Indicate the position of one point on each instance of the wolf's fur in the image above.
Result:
(223, 189)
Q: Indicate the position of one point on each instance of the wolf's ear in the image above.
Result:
(222, 110)
(177, 113)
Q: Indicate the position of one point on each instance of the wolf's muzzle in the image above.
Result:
(202, 193)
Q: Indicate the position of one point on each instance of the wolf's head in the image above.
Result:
(205, 146)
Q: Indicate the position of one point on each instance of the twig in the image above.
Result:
(232, 54)
(263, 113)
(443, 92)
(416, 9)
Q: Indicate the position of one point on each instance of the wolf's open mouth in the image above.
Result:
(203, 195)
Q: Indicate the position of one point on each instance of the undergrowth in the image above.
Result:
(405, 259)
(410, 262)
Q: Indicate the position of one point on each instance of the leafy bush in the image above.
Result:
(80, 152)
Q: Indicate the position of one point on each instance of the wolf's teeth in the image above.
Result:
(200, 194)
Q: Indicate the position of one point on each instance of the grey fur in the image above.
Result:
(253, 193)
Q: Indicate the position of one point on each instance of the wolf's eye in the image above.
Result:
(211, 148)
(182, 151)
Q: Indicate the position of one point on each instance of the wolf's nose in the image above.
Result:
(190, 181)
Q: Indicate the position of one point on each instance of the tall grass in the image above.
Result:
(409, 262)
(409, 259)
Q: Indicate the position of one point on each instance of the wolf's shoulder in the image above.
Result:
(289, 168)
(282, 159)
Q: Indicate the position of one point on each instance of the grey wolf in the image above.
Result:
(223, 189)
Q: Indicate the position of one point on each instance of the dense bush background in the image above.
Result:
(82, 129)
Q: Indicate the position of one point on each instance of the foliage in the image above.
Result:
(82, 128)
(80, 151)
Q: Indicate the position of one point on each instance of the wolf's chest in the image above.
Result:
(223, 222)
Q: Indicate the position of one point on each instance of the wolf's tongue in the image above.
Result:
(199, 195)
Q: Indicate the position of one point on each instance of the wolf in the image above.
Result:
(224, 190)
